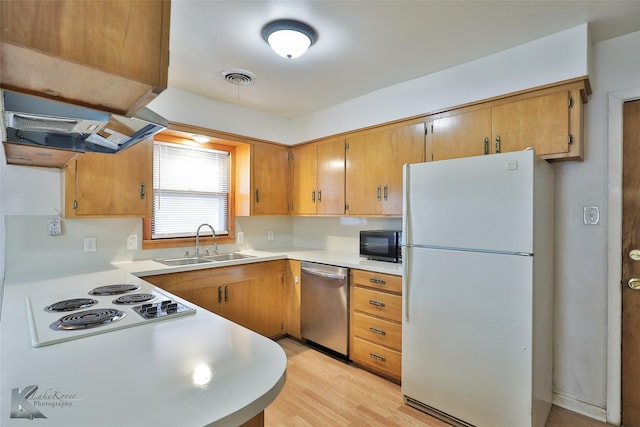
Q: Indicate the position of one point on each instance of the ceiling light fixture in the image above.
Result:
(289, 38)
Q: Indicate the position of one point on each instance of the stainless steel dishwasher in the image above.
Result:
(324, 306)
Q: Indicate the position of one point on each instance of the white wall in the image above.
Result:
(581, 292)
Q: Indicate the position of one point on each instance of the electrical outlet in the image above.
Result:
(90, 244)
(54, 227)
(269, 235)
(240, 237)
(132, 242)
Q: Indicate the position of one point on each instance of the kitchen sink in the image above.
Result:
(228, 257)
(182, 261)
(202, 259)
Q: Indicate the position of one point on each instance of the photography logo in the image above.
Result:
(26, 403)
(21, 407)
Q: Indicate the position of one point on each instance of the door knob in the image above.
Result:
(634, 283)
(634, 254)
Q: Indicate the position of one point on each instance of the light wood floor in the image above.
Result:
(322, 391)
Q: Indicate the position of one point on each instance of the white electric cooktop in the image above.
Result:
(63, 316)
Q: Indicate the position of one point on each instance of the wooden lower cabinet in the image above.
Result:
(251, 295)
(376, 322)
(292, 299)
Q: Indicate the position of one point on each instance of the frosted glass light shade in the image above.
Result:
(289, 38)
(289, 43)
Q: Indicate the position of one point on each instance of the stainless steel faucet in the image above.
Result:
(198, 238)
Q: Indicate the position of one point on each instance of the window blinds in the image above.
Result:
(190, 187)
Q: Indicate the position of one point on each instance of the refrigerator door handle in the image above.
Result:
(405, 281)
(406, 233)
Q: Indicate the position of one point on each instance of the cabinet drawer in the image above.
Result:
(377, 303)
(378, 331)
(380, 359)
(380, 281)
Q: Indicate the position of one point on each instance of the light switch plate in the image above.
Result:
(132, 242)
(90, 244)
(591, 215)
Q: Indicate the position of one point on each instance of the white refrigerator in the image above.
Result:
(478, 289)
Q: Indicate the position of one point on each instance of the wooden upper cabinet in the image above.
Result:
(318, 178)
(541, 122)
(406, 146)
(262, 179)
(108, 55)
(550, 120)
(303, 179)
(330, 177)
(270, 179)
(110, 185)
(374, 168)
(461, 135)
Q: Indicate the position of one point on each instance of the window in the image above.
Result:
(191, 186)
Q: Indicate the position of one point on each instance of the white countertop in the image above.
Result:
(154, 373)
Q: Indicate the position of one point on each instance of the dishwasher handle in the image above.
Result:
(323, 273)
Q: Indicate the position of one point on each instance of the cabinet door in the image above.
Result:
(209, 297)
(541, 122)
(303, 176)
(106, 185)
(270, 180)
(364, 169)
(113, 55)
(292, 299)
(330, 177)
(405, 145)
(374, 168)
(461, 135)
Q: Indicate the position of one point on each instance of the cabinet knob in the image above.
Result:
(257, 195)
(634, 283)
(142, 192)
(497, 143)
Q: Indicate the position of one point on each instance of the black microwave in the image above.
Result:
(381, 245)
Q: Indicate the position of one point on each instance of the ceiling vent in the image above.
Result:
(238, 77)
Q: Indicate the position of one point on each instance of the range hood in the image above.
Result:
(34, 121)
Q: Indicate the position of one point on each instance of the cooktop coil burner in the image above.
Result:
(134, 298)
(87, 319)
(70, 304)
(114, 289)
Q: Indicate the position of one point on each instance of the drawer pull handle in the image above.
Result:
(377, 331)
(377, 357)
(377, 281)
(376, 303)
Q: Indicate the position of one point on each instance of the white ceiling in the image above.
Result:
(363, 45)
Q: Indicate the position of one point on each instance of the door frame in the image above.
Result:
(614, 262)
